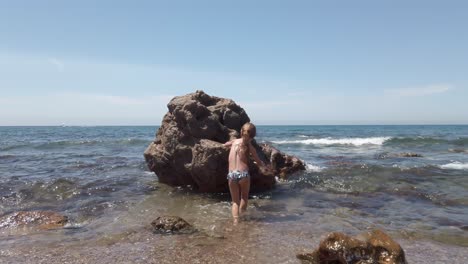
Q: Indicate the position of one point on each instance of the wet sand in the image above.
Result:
(252, 241)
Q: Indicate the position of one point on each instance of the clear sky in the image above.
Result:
(286, 62)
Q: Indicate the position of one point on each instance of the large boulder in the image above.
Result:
(374, 247)
(188, 148)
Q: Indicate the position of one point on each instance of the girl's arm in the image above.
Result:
(228, 144)
(266, 170)
(255, 156)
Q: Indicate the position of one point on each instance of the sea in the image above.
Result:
(409, 181)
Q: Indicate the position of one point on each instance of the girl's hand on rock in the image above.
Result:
(266, 170)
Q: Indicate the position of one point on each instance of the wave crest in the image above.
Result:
(455, 166)
(313, 168)
(337, 141)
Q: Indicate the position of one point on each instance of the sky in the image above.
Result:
(285, 62)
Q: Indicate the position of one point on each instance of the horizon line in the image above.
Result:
(146, 125)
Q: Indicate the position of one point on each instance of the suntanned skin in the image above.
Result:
(238, 160)
(244, 148)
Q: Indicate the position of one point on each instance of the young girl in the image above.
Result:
(238, 176)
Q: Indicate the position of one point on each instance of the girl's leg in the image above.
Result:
(234, 190)
(244, 190)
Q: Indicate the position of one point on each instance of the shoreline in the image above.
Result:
(249, 242)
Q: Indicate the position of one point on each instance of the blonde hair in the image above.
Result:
(250, 128)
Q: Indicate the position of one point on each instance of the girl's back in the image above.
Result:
(238, 156)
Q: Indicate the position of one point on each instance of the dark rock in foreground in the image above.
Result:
(374, 247)
(39, 219)
(188, 149)
(171, 224)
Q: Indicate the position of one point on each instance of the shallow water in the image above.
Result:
(275, 229)
(355, 181)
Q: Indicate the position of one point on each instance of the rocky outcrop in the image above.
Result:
(171, 224)
(410, 155)
(458, 150)
(399, 155)
(374, 247)
(38, 219)
(188, 149)
(281, 163)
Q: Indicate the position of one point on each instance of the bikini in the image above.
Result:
(237, 175)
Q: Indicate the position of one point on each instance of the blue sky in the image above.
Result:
(285, 62)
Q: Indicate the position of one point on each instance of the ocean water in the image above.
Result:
(357, 178)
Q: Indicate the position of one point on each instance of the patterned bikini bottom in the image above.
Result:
(237, 175)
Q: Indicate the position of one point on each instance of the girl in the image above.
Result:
(238, 176)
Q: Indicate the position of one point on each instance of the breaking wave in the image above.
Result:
(313, 168)
(455, 166)
(337, 141)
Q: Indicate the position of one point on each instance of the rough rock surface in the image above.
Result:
(39, 219)
(374, 247)
(188, 149)
(282, 164)
(171, 224)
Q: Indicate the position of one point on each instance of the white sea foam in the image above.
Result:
(313, 168)
(455, 166)
(337, 141)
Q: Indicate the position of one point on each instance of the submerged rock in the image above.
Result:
(399, 155)
(39, 219)
(458, 150)
(188, 149)
(374, 247)
(171, 224)
(410, 155)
